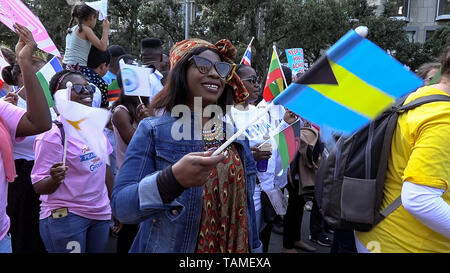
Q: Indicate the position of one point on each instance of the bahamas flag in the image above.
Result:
(274, 83)
(349, 86)
(288, 142)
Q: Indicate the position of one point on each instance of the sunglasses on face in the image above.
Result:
(253, 79)
(79, 88)
(204, 65)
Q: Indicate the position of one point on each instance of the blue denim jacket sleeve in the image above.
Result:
(135, 195)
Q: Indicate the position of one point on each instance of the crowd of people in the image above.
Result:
(159, 193)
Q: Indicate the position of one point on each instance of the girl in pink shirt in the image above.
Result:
(16, 123)
(75, 211)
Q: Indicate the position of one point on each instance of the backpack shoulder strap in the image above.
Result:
(423, 100)
(388, 140)
(61, 130)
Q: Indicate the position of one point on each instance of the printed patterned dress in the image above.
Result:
(223, 227)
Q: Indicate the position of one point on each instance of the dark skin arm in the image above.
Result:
(109, 181)
(123, 123)
(51, 183)
(37, 119)
(122, 120)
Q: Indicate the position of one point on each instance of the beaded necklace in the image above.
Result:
(214, 137)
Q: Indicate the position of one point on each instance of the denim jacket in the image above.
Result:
(172, 227)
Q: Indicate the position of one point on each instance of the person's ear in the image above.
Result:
(104, 67)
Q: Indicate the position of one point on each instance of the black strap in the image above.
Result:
(423, 100)
(61, 130)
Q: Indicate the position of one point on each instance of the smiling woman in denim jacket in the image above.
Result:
(185, 199)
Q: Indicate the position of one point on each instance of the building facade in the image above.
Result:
(423, 16)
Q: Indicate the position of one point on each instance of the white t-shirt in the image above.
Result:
(155, 84)
(255, 133)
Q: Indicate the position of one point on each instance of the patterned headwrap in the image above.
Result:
(227, 52)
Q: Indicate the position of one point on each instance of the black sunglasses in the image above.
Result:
(253, 79)
(78, 88)
(204, 66)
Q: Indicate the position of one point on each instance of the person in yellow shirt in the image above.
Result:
(419, 172)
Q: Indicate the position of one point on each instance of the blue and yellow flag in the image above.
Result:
(349, 86)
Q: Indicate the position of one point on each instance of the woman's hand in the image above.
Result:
(106, 24)
(193, 169)
(58, 172)
(26, 45)
(11, 98)
(260, 155)
(142, 112)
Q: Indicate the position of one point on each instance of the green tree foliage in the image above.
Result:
(440, 39)
(313, 25)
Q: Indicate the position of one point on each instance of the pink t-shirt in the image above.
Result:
(11, 115)
(84, 190)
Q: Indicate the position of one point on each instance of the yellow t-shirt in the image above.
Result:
(420, 154)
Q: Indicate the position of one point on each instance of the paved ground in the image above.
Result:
(276, 240)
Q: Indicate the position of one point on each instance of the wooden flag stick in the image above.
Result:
(18, 90)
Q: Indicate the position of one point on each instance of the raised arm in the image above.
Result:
(37, 119)
(101, 44)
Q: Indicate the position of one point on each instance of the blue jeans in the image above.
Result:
(74, 234)
(5, 244)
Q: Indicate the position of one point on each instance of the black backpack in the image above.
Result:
(350, 181)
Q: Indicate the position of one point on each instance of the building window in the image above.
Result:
(411, 36)
(398, 9)
(443, 10)
(429, 34)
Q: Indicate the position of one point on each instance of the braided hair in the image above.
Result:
(81, 13)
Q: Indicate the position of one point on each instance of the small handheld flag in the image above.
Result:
(247, 58)
(288, 142)
(14, 11)
(135, 79)
(101, 7)
(45, 74)
(349, 86)
(84, 123)
(113, 91)
(275, 78)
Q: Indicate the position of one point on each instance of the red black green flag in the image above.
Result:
(113, 91)
(288, 142)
